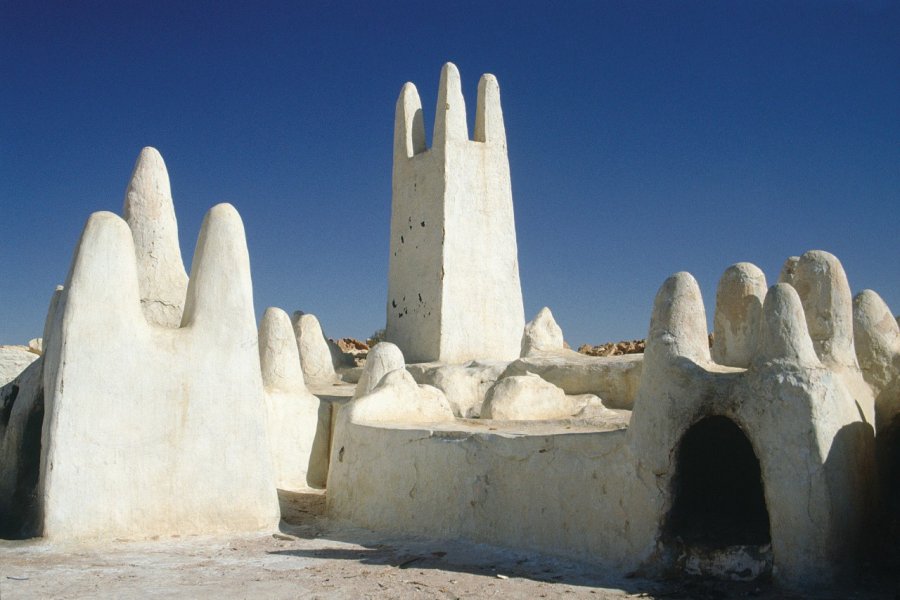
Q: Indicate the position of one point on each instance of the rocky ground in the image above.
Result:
(315, 558)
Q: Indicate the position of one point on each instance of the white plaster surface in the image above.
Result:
(822, 285)
(453, 285)
(398, 398)
(542, 334)
(814, 449)
(150, 213)
(614, 378)
(876, 336)
(605, 494)
(297, 443)
(464, 385)
(383, 358)
(149, 430)
(315, 356)
(527, 397)
(14, 360)
(739, 300)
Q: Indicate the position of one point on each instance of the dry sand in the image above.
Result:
(315, 558)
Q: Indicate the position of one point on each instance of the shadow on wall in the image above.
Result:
(849, 472)
(887, 448)
(20, 520)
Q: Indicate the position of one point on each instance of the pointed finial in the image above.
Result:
(450, 114)
(409, 124)
(876, 336)
(784, 336)
(278, 356)
(739, 300)
(488, 113)
(102, 286)
(822, 285)
(150, 213)
(220, 292)
(678, 325)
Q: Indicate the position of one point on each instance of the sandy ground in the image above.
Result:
(315, 558)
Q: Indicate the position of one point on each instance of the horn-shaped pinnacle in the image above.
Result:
(409, 124)
(488, 113)
(102, 287)
(278, 355)
(876, 336)
(450, 114)
(678, 324)
(150, 213)
(822, 285)
(783, 334)
(788, 269)
(739, 300)
(220, 292)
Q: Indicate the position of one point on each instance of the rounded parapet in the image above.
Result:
(220, 292)
(383, 358)
(822, 285)
(315, 355)
(489, 125)
(678, 324)
(784, 336)
(450, 114)
(409, 124)
(278, 355)
(103, 284)
(739, 301)
(788, 269)
(876, 337)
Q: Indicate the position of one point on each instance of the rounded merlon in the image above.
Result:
(678, 323)
(739, 300)
(383, 358)
(784, 336)
(823, 288)
(279, 358)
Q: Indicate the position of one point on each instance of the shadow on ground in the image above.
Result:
(304, 517)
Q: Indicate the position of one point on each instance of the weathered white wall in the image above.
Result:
(573, 494)
(297, 442)
(605, 495)
(149, 430)
(453, 284)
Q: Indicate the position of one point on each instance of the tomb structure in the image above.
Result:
(157, 407)
(453, 281)
(148, 406)
(784, 442)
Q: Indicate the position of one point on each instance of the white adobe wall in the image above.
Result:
(150, 430)
(297, 441)
(453, 286)
(604, 496)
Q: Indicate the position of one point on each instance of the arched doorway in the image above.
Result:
(718, 504)
(887, 444)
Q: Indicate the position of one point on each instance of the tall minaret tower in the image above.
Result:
(453, 289)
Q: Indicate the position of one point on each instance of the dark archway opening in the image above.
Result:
(887, 444)
(718, 498)
(20, 520)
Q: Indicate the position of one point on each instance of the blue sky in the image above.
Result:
(644, 138)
